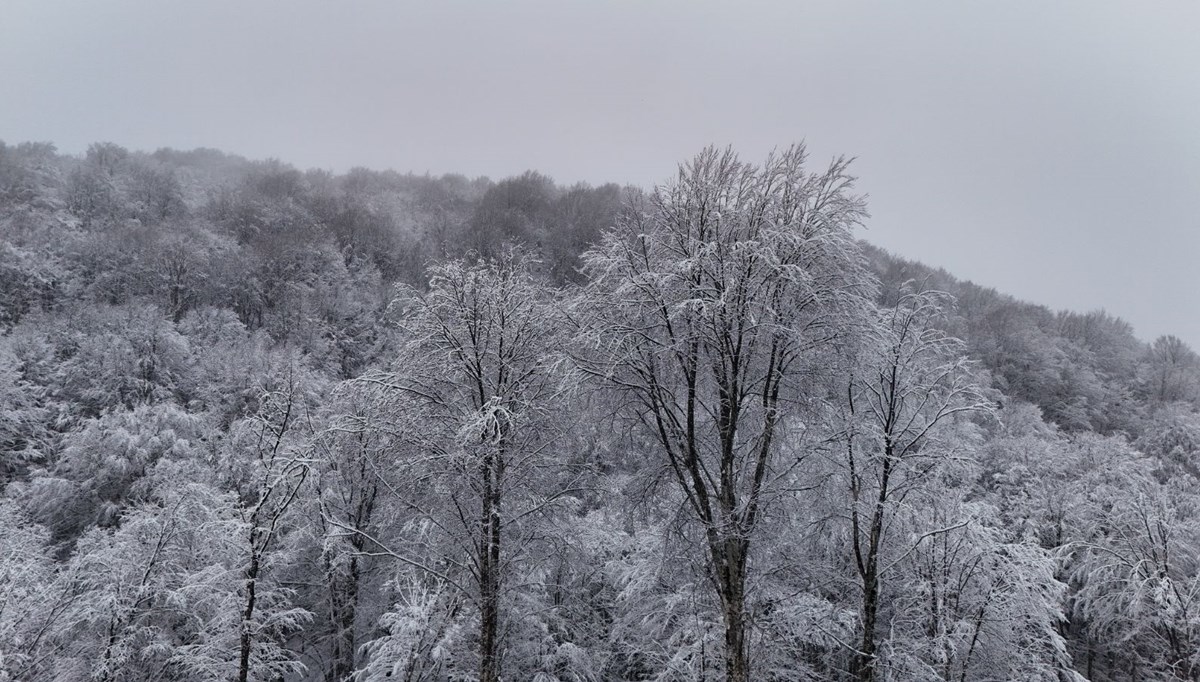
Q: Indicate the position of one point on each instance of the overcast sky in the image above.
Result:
(1048, 149)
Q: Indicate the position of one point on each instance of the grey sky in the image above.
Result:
(1051, 150)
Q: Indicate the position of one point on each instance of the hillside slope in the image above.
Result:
(209, 469)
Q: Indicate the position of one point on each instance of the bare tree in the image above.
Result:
(910, 379)
(1174, 370)
(274, 477)
(709, 302)
(479, 363)
(354, 449)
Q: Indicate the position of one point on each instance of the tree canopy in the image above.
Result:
(258, 423)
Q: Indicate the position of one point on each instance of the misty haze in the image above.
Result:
(565, 342)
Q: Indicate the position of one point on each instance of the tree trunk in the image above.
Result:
(247, 615)
(343, 595)
(864, 666)
(864, 669)
(737, 665)
(489, 575)
(732, 575)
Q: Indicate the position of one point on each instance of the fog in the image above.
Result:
(1050, 151)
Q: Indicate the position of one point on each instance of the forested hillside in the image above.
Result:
(265, 424)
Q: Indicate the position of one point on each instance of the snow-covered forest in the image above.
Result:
(264, 424)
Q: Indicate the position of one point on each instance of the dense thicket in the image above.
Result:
(263, 424)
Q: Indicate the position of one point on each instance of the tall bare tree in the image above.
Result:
(353, 448)
(709, 303)
(271, 479)
(911, 378)
(480, 364)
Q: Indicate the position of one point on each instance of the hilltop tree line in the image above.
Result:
(265, 424)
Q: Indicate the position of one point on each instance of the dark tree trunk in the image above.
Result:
(344, 606)
(343, 595)
(246, 640)
(489, 574)
(864, 666)
(733, 599)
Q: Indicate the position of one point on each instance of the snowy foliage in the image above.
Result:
(264, 424)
